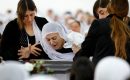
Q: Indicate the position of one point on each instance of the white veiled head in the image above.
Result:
(12, 70)
(112, 68)
(50, 50)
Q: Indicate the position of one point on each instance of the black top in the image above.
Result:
(64, 50)
(13, 37)
(98, 42)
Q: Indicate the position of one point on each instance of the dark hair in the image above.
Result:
(103, 3)
(97, 4)
(120, 30)
(95, 8)
(22, 7)
(82, 69)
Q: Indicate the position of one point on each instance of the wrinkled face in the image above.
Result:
(102, 12)
(29, 17)
(55, 40)
(75, 27)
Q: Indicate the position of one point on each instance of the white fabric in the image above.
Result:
(37, 32)
(84, 28)
(76, 38)
(112, 68)
(42, 77)
(13, 71)
(52, 53)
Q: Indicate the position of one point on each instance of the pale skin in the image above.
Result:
(102, 12)
(24, 52)
(55, 41)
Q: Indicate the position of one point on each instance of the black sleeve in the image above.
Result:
(9, 41)
(89, 44)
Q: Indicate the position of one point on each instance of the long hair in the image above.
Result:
(120, 30)
(23, 6)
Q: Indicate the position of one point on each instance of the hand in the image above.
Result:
(34, 50)
(24, 52)
(75, 48)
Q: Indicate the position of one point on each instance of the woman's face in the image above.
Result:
(102, 12)
(55, 40)
(29, 17)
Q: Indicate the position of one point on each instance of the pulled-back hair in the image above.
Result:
(120, 30)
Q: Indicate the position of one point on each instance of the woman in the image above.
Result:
(54, 40)
(109, 36)
(21, 36)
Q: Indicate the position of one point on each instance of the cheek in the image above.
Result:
(61, 43)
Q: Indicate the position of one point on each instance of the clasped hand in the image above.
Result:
(24, 52)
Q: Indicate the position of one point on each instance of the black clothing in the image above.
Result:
(64, 50)
(13, 38)
(98, 42)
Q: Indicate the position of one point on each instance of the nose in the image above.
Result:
(29, 18)
(51, 42)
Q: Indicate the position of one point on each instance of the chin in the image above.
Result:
(56, 48)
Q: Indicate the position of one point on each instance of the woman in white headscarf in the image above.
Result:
(112, 68)
(12, 70)
(54, 40)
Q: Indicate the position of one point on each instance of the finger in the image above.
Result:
(22, 47)
(19, 54)
(21, 57)
(34, 52)
(38, 49)
(19, 51)
(36, 44)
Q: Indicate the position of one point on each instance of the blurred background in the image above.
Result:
(52, 10)
(59, 6)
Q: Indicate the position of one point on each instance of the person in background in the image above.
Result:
(21, 37)
(82, 69)
(112, 68)
(55, 43)
(109, 36)
(12, 70)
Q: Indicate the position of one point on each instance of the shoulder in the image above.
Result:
(13, 22)
(40, 21)
(12, 25)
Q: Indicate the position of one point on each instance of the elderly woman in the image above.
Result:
(54, 41)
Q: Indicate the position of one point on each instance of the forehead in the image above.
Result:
(50, 35)
(29, 12)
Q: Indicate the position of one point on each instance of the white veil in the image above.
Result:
(52, 53)
(37, 32)
(112, 68)
(12, 70)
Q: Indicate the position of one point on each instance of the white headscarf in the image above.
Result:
(37, 32)
(13, 71)
(52, 53)
(42, 77)
(112, 68)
